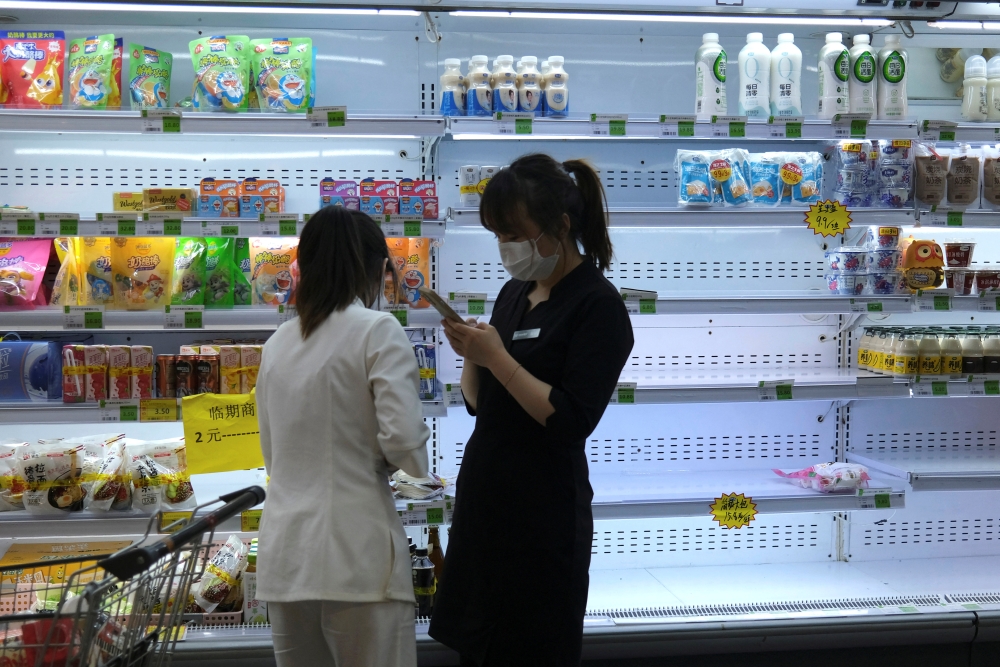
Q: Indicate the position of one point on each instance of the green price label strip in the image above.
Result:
(939, 388)
(435, 515)
(126, 228)
(882, 501)
(859, 128)
(616, 128)
(25, 227)
(93, 320)
(522, 126)
(647, 306)
(128, 413)
(685, 128)
(942, 302)
(68, 227)
(793, 130)
(626, 395)
(411, 228)
(874, 306)
(171, 227)
(954, 219)
(946, 135)
(230, 230)
(992, 387)
(401, 314)
(336, 118)
(287, 228)
(783, 392)
(193, 319)
(171, 124)
(737, 130)
(476, 307)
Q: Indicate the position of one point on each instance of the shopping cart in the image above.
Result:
(123, 610)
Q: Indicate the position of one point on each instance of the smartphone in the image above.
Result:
(440, 305)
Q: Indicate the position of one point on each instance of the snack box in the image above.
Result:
(254, 610)
(229, 369)
(142, 371)
(339, 193)
(169, 199)
(219, 198)
(250, 362)
(418, 198)
(379, 197)
(84, 373)
(119, 371)
(129, 202)
(261, 195)
(30, 371)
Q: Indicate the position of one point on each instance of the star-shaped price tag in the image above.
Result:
(828, 218)
(733, 510)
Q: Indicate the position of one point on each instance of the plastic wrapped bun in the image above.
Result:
(829, 477)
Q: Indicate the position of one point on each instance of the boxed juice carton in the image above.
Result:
(119, 371)
(229, 369)
(169, 199)
(30, 371)
(379, 198)
(219, 198)
(254, 610)
(85, 372)
(142, 371)
(250, 362)
(418, 198)
(133, 202)
(333, 192)
(261, 195)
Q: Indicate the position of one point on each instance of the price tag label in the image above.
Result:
(161, 121)
(401, 313)
(865, 306)
(828, 218)
(733, 510)
(942, 219)
(929, 303)
(118, 411)
(775, 390)
(875, 499)
(784, 128)
(639, 302)
(468, 303)
(159, 223)
(117, 224)
(286, 312)
(250, 520)
(396, 225)
(183, 317)
(327, 116)
(981, 385)
(512, 123)
(937, 130)
(216, 228)
(608, 124)
(83, 317)
(677, 127)
(734, 127)
(171, 522)
(624, 394)
(427, 514)
(453, 396)
(850, 125)
(59, 224)
(279, 224)
(158, 410)
(413, 515)
(988, 303)
(925, 387)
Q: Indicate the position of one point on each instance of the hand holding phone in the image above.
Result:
(441, 305)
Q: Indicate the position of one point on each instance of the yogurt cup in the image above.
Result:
(886, 282)
(883, 259)
(960, 280)
(848, 284)
(958, 254)
(883, 236)
(893, 197)
(988, 280)
(853, 199)
(847, 259)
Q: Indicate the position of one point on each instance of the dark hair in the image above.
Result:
(537, 187)
(341, 254)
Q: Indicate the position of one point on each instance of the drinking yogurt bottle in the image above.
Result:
(834, 76)
(755, 72)
(479, 98)
(505, 85)
(529, 92)
(786, 77)
(556, 89)
(452, 101)
(710, 78)
(892, 62)
(862, 84)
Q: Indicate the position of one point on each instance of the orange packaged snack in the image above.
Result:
(417, 271)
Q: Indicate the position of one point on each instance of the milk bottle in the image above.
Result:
(556, 89)
(710, 78)
(479, 99)
(786, 77)
(993, 88)
(892, 102)
(505, 85)
(529, 92)
(834, 75)
(974, 100)
(861, 87)
(452, 102)
(544, 71)
(755, 71)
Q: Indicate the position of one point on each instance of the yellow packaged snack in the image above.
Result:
(169, 199)
(66, 288)
(142, 270)
(94, 264)
(129, 201)
(273, 264)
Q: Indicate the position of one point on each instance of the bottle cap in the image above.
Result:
(975, 67)
(755, 37)
(421, 551)
(555, 61)
(834, 37)
(786, 37)
(505, 60)
(529, 60)
(478, 60)
(862, 39)
(710, 37)
(452, 62)
(993, 67)
(892, 40)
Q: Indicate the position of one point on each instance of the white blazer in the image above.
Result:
(335, 412)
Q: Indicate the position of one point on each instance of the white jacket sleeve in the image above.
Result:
(394, 380)
(262, 421)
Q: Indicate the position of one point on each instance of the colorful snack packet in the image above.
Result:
(283, 73)
(89, 71)
(219, 198)
(221, 73)
(129, 201)
(142, 371)
(242, 273)
(94, 263)
(189, 272)
(119, 371)
(261, 195)
(695, 185)
(181, 200)
(272, 283)
(417, 272)
(115, 94)
(219, 269)
(399, 249)
(333, 192)
(142, 269)
(66, 288)
(149, 77)
(22, 266)
(32, 67)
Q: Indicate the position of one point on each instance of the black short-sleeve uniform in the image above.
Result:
(516, 574)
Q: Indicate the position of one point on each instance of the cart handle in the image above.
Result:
(126, 564)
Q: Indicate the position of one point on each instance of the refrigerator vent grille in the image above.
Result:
(984, 598)
(928, 532)
(929, 441)
(769, 607)
(711, 447)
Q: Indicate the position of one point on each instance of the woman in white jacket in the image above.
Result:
(339, 411)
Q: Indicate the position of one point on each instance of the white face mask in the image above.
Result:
(523, 261)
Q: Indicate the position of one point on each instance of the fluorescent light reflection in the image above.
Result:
(677, 18)
(201, 157)
(200, 9)
(956, 25)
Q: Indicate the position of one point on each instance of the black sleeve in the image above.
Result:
(483, 376)
(597, 353)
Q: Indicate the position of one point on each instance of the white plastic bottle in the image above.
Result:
(543, 70)
(974, 102)
(529, 90)
(479, 99)
(556, 89)
(892, 102)
(993, 88)
(862, 85)
(755, 71)
(834, 77)
(786, 77)
(452, 100)
(505, 85)
(710, 78)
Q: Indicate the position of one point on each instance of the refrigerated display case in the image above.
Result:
(744, 362)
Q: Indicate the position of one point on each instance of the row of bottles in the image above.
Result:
(524, 87)
(908, 351)
(427, 564)
(858, 80)
(981, 89)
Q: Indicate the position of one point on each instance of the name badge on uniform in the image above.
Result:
(525, 334)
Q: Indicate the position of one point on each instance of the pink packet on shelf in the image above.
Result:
(22, 266)
(829, 477)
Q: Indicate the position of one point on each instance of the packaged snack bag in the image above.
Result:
(250, 365)
(417, 272)
(189, 272)
(695, 187)
(142, 269)
(11, 480)
(169, 199)
(803, 173)
(765, 188)
(829, 477)
(399, 250)
(119, 371)
(221, 73)
(94, 263)
(115, 93)
(22, 267)
(272, 259)
(339, 193)
(58, 474)
(32, 67)
(219, 269)
(261, 195)
(110, 481)
(159, 475)
(142, 371)
(129, 201)
(219, 198)
(418, 198)
(222, 574)
(149, 77)
(728, 175)
(229, 369)
(283, 73)
(242, 273)
(89, 71)
(85, 373)
(379, 198)
(30, 370)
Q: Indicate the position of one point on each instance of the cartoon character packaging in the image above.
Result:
(149, 77)
(379, 197)
(261, 195)
(272, 283)
(416, 272)
(66, 288)
(284, 73)
(219, 198)
(142, 270)
(242, 273)
(94, 263)
(89, 71)
(219, 270)
(22, 266)
(339, 193)
(32, 67)
(418, 198)
(399, 249)
(115, 94)
(189, 272)
(221, 73)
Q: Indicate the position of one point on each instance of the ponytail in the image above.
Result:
(543, 190)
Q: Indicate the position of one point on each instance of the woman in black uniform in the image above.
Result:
(537, 379)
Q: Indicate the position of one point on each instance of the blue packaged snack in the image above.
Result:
(695, 184)
(728, 176)
(427, 363)
(809, 186)
(30, 371)
(765, 188)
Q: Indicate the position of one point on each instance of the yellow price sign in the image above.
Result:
(733, 510)
(158, 410)
(828, 218)
(250, 520)
(221, 432)
(167, 518)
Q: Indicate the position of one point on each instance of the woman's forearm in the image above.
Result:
(530, 393)
(470, 383)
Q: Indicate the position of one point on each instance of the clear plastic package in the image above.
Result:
(829, 477)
